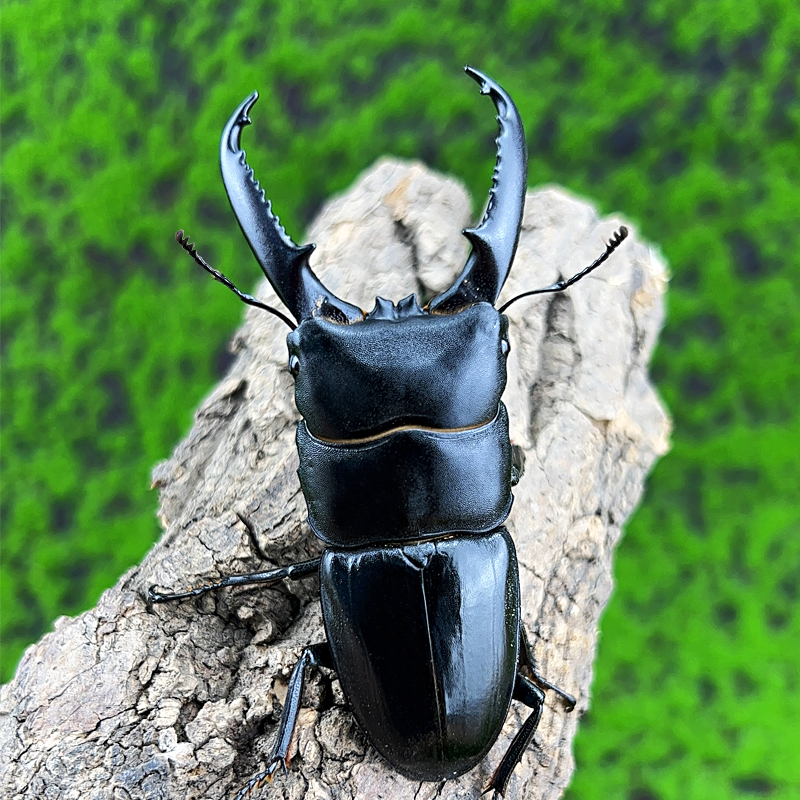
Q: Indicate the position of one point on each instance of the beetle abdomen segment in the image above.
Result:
(425, 638)
(409, 484)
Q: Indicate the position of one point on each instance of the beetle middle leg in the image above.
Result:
(315, 655)
(294, 572)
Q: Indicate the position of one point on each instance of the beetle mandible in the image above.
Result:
(406, 467)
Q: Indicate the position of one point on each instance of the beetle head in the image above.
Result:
(359, 374)
(404, 368)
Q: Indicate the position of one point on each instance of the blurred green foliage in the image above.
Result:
(682, 115)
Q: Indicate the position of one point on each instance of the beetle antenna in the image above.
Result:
(184, 242)
(616, 240)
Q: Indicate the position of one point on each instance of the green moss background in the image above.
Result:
(684, 115)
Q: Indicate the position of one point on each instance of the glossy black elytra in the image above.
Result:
(406, 468)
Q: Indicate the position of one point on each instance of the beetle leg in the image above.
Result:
(293, 572)
(531, 693)
(315, 655)
(533, 697)
(526, 660)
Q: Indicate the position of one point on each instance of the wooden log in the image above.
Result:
(182, 701)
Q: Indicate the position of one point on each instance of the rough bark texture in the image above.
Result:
(182, 700)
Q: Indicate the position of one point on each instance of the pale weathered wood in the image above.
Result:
(182, 701)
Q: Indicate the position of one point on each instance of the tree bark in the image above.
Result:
(182, 700)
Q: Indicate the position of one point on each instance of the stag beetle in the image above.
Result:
(406, 468)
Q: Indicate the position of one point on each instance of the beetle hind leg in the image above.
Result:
(533, 697)
(526, 660)
(257, 781)
(315, 655)
(529, 691)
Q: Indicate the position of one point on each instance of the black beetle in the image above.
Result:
(406, 467)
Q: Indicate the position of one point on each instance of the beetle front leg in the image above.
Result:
(315, 655)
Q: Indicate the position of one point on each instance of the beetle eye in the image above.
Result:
(505, 347)
(294, 365)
